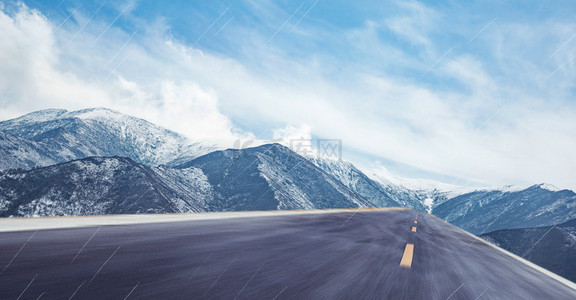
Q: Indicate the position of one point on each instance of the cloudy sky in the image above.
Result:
(478, 93)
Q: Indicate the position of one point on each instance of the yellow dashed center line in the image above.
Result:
(415, 222)
(406, 261)
(413, 229)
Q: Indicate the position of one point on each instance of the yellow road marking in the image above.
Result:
(413, 229)
(406, 261)
(415, 222)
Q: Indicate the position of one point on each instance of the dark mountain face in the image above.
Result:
(485, 211)
(271, 177)
(264, 178)
(90, 186)
(551, 247)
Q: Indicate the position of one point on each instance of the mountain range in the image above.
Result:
(483, 211)
(268, 177)
(98, 161)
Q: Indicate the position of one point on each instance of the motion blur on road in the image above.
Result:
(364, 254)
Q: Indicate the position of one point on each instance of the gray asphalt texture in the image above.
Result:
(347, 255)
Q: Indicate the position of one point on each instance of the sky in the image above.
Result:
(465, 92)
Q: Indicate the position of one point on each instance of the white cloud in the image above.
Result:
(501, 128)
(35, 73)
(415, 24)
(29, 78)
(470, 72)
(292, 132)
(297, 138)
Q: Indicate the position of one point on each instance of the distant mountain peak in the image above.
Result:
(270, 150)
(271, 176)
(269, 146)
(58, 135)
(101, 113)
(510, 188)
(509, 207)
(518, 188)
(52, 114)
(92, 109)
(57, 113)
(547, 186)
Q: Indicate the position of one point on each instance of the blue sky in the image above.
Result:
(468, 92)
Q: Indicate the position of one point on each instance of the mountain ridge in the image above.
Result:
(489, 210)
(119, 185)
(274, 177)
(68, 135)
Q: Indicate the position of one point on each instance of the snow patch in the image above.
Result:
(550, 187)
(429, 203)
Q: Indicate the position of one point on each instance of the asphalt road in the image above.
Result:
(348, 255)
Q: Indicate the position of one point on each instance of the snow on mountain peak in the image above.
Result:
(59, 114)
(98, 113)
(449, 190)
(506, 188)
(39, 116)
(550, 187)
(104, 132)
(518, 188)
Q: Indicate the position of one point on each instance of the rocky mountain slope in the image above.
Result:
(272, 177)
(380, 193)
(489, 210)
(268, 177)
(551, 247)
(55, 135)
(18, 153)
(95, 186)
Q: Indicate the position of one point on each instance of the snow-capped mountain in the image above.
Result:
(271, 177)
(431, 193)
(489, 210)
(18, 153)
(388, 190)
(268, 177)
(98, 161)
(551, 247)
(97, 185)
(57, 135)
(381, 193)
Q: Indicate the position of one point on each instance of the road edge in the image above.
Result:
(63, 222)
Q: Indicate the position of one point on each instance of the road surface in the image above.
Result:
(381, 254)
